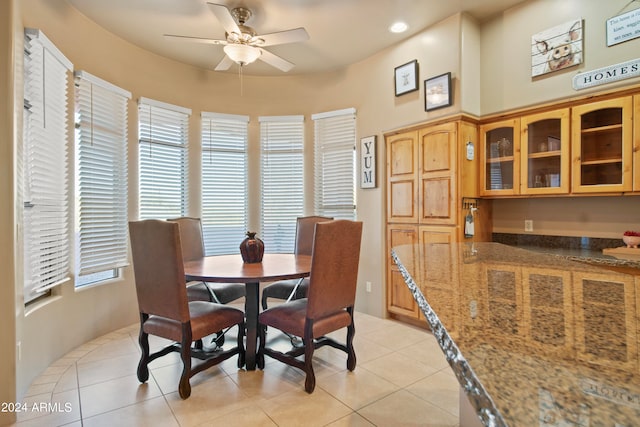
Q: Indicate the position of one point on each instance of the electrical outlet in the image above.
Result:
(368, 284)
(528, 225)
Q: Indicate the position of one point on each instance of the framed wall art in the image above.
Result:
(556, 48)
(368, 162)
(437, 92)
(406, 78)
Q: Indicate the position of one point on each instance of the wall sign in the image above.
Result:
(368, 162)
(623, 27)
(612, 73)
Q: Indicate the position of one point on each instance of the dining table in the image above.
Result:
(232, 269)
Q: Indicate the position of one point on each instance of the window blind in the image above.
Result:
(334, 163)
(224, 182)
(101, 175)
(45, 186)
(282, 184)
(163, 167)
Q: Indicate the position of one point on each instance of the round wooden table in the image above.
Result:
(231, 269)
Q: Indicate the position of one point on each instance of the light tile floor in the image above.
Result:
(401, 379)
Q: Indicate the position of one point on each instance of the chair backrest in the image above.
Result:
(334, 267)
(305, 227)
(159, 269)
(191, 237)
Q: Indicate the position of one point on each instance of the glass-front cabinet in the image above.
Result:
(499, 150)
(602, 146)
(545, 153)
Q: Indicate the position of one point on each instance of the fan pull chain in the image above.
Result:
(240, 74)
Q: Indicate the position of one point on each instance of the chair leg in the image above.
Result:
(184, 388)
(351, 353)
(310, 381)
(143, 341)
(241, 351)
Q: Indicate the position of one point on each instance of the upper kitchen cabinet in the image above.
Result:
(402, 175)
(602, 146)
(545, 147)
(500, 164)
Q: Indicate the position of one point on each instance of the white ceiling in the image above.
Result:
(341, 31)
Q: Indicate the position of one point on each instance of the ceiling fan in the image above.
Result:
(242, 44)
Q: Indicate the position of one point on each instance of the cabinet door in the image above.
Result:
(500, 151)
(402, 176)
(399, 298)
(438, 162)
(602, 146)
(548, 310)
(544, 159)
(605, 314)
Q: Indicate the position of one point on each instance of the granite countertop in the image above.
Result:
(533, 338)
(583, 249)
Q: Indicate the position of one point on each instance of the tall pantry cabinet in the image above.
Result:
(430, 170)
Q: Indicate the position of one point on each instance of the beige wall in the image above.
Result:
(506, 81)
(474, 54)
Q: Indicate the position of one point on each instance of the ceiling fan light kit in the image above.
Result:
(242, 54)
(242, 44)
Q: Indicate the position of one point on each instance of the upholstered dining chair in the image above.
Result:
(165, 310)
(193, 248)
(329, 303)
(295, 288)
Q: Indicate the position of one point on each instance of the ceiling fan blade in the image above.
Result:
(224, 16)
(275, 61)
(282, 37)
(195, 39)
(224, 64)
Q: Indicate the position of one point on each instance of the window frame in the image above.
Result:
(282, 180)
(101, 180)
(44, 186)
(224, 154)
(335, 163)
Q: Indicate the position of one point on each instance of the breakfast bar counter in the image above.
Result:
(534, 339)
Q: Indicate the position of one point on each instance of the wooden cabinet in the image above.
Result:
(526, 155)
(602, 146)
(402, 177)
(544, 160)
(438, 171)
(580, 147)
(399, 298)
(428, 174)
(499, 151)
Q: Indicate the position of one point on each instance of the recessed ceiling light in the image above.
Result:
(398, 27)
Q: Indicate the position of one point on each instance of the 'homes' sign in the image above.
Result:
(612, 73)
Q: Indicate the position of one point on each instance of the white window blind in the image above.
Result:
(45, 186)
(101, 176)
(334, 163)
(224, 182)
(163, 136)
(282, 195)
